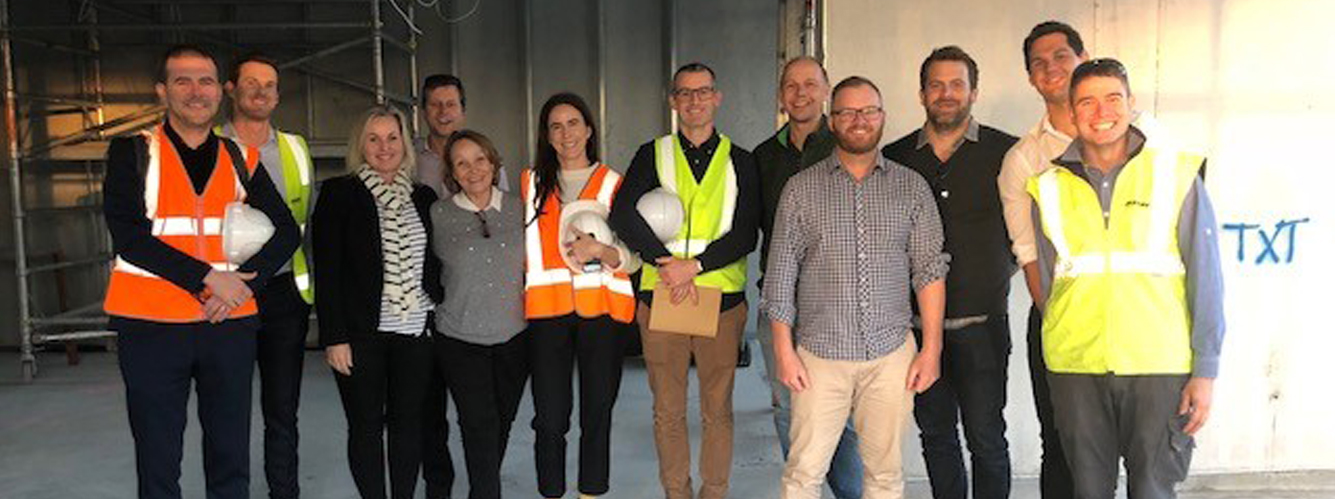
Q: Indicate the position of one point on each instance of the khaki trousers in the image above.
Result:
(668, 357)
(874, 391)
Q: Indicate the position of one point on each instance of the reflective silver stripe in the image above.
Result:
(532, 235)
(1153, 263)
(687, 247)
(123, 266)
(729, 199)
(185, 226)
(1163, 211)
(1050, 211)
(152, 174)
(301, 155)
(667, 163)
(608, 187)
(609, 280)
(303, 281)
(546, 277)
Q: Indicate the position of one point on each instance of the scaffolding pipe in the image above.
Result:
(377, 51)
(99, 258)
(413, 87)
(322, 53)
(177, 26)
(28, 363)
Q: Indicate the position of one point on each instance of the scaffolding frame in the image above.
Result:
(88, 319)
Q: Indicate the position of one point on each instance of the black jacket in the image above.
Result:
(349, 269)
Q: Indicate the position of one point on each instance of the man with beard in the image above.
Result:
(716, 183)
(804, 88)
(1051, 51)
(853, 236)
(960, 160)
(446, 107)
(285, 303)
(183, 313)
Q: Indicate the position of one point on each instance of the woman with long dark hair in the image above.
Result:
(576, 291)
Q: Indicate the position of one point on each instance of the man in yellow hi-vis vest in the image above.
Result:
(1132, 294)
(717, 184)
(285, 303)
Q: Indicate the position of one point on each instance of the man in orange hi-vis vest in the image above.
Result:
(183, 313)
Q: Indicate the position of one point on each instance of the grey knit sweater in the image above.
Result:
(483, 277)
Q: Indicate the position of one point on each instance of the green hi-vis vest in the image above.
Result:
(297, 176)
(1118, 302)
(709, 205)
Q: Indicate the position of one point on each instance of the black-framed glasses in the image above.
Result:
(869, 113)
(486, 233)
(697, 93)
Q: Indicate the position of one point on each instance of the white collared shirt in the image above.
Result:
(462, 201)
(1030, 156)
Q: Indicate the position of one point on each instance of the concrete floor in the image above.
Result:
(66, 436)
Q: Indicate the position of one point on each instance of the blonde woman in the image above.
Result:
(378, 285)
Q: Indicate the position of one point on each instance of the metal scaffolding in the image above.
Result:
(83, 322)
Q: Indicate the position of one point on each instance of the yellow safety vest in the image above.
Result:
(1118, 298)
(297, 174)
(709, 205)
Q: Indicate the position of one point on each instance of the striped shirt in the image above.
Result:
(404, 244)
(846, 255)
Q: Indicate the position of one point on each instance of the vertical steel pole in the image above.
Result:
(413, 87)
(27, 360)
(529, 129)
(600, 17)
(377, 51)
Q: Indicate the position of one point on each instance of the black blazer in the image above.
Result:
(349, 268)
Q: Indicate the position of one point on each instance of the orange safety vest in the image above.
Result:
(189, 222)
(550, 288)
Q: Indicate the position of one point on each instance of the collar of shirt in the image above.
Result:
(229, 131)
(1073, 159)
(423, 147)
(462, 201)
(833, 165)
(821, 132)
(1044, 127)
(706, 148)
(970, 134)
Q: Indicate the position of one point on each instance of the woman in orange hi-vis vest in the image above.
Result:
(573, 312)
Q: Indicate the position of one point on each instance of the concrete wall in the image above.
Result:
(1236, 79)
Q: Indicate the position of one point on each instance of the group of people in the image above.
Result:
(884, 290)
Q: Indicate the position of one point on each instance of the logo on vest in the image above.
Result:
(1137, 204)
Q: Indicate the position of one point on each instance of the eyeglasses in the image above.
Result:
(869, 113)
(486, 233)
(689, 93)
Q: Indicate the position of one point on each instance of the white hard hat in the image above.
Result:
(662, 210)
(244, 232)
(586, 216)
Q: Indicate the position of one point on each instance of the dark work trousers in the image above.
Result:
(158, 362)
(972, 391)
(1102, 418)
(437, 466)
(557, 346)
(385, 394)
(486, 383)
(284, 321)
(1054, 477)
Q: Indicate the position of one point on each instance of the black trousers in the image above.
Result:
(1054, 479)
(158, 364)
(385, 392)
(972, 391)
(437, 466)
(486, 382)
(284, 322)
(556, 347)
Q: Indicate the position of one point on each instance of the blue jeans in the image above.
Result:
(845, 475)
(970, 393)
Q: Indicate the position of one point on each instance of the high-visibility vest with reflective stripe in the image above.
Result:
(709, 205)
(189, 222)
(550, 288)
(297, 174)
(1118, 298)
